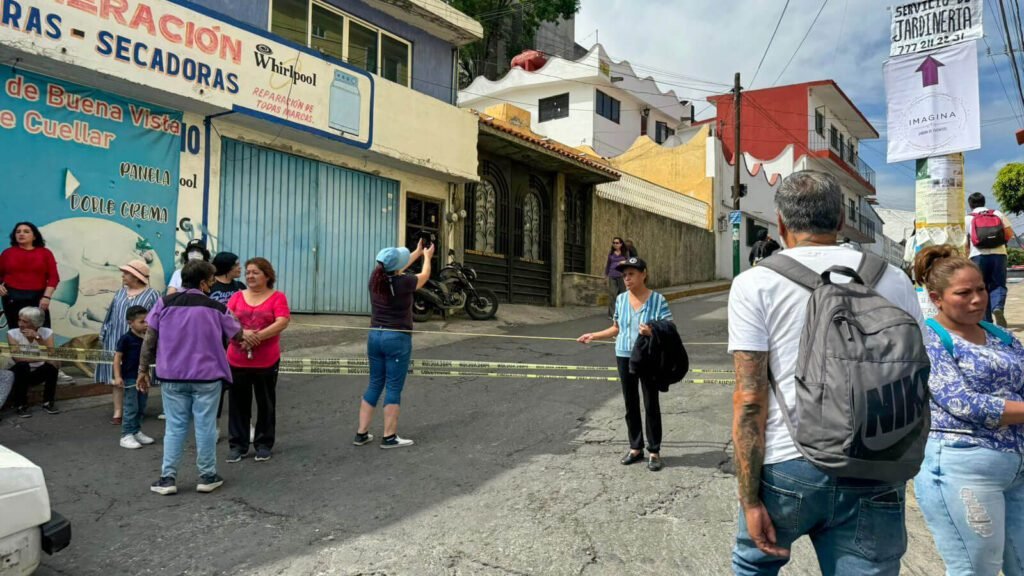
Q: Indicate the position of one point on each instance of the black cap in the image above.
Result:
(633, 262)
(224, 262)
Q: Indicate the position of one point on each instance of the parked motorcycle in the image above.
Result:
(453, 290)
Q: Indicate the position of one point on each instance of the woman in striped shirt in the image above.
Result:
(635, 309)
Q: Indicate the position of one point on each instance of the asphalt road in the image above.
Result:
(507, 477)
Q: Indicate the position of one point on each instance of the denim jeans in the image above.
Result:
(993, 270)
(185, 402)
(973, 502)
(389, 354)
(134, 407)
(857, 526)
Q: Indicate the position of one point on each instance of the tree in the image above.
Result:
(513, 22)
(1009, 187)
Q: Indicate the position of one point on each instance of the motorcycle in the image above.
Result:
(453, 290)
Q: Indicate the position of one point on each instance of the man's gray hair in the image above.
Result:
(810, 202)
(34, 316)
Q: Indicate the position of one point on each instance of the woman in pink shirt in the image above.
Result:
(264, 314)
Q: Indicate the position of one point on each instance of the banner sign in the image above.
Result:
(99, 175)
(929, 24)
(183, 49)
(933, 104)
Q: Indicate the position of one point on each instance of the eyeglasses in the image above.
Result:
(616, 242)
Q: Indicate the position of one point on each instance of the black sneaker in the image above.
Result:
(208, 483)
(51, 408)
(165, 486)
(362, 439)
(262, 454)
(23, 412)
(236, 455)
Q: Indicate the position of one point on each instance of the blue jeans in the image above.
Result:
(993, 270)
(134, 408)
(973, 502)
(856, 526)
(389, 354)
(183, 403)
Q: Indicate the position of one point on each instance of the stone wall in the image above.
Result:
(584, 290)
(675, 253)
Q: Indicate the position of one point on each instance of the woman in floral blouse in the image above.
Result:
(971, 484)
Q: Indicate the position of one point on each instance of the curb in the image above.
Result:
(724, 287)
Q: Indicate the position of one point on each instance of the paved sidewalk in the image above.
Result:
(1015, 304)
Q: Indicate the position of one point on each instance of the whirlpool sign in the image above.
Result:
(184, 50)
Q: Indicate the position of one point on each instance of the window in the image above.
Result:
(485, 217)
(833, 136)
(607, 107)
(662, 132)
(554, 107)
(851, 210)
(842, 145)
(819, 122)
(531, 227)
(851, 153)
(340, 36)
(643, 125)
(328, 32)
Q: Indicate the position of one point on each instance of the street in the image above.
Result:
(507, 477)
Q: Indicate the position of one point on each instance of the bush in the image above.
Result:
(1015, 256)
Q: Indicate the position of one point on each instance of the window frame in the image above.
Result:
(660, 131)
(540, 108)
(346, 18)
(613, 106)
(819, 122)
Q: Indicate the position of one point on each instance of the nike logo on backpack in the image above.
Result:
(892, 407)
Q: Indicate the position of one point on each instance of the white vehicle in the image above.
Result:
(27, 525)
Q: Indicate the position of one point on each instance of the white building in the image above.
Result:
(593, 101)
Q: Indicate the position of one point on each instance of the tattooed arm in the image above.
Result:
(750, 414)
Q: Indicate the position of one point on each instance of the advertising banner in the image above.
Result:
(940, 209)
(182, 49)
(929, 24)
(99, 175)
(933, 104)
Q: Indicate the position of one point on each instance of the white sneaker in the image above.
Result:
(143, 439)
(396, 442)
(64, 378)
(128, 441)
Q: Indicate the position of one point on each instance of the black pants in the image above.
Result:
(247, 382)
(631, 387)
(18, 299)
(25, 376)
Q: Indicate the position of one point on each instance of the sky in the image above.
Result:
(686, 44)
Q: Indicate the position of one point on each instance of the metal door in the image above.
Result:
(318, 224)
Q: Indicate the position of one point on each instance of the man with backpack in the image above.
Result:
(763, 248)
(830, 412)
(988, 232)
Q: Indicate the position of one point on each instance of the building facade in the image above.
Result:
(593, 101)
(304, 131)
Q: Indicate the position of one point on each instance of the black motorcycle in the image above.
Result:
(453, 290)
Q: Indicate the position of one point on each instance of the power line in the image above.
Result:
(770, 40)
(842, 28)
(1008, 39)
(801, 45)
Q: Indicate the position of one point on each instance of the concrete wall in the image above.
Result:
(676, 253)
(584, 290)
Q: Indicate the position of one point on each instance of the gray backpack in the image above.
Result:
(861, 376)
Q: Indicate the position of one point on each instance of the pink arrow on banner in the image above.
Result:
(929, 70)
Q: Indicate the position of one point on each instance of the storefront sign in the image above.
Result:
(933, 106)
(99, 175)
(182, 49)
(929, 24)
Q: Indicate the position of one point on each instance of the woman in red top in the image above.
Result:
(264, 314)
(28, 273)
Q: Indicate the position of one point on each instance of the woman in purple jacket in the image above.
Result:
(616, 255)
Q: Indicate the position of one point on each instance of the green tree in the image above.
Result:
(512, 22)
(1009, 187)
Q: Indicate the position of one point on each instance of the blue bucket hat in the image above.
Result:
(393, 259)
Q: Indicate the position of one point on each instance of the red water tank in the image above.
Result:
(529, 60)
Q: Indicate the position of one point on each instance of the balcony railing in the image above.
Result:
(825, 142)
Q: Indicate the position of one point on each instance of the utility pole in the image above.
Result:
(737, 187)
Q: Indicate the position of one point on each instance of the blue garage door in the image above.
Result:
(320, 225)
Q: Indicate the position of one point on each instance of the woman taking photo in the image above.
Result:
(616, 255)
(194, 250)
(389, 345)
(28, 273)
(634, 310)
(971, 484)
(135, 291)
(264, 314)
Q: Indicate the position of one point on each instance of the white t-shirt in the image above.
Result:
(767, 314)
(975, 251)
(175, 280)
(21, 340)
